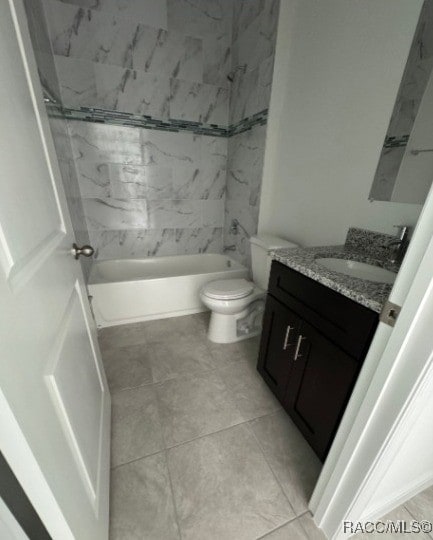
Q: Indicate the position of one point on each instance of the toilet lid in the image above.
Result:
(228, 289)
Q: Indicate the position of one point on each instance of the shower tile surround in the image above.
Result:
(254, 32)
(164, 146)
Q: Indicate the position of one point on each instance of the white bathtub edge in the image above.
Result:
(126, 302)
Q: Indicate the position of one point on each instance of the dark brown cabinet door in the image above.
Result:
(279, 336)
(321, 381)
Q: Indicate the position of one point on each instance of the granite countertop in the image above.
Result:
(367, 293)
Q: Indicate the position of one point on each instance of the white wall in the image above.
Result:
(337, 71)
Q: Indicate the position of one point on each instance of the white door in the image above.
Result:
(54, 399)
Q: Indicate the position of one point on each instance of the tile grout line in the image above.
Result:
(213, 433)
(230, 392)
(135, 460)
(270, 467)
(176, 513)
(207, 435)
(244, 422)
(283, 525)
(158, 410)
(163, 451)
(302, 526)
(120, 390)
(201, 371)
(215, 369)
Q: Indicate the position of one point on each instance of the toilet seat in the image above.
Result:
(228, 289)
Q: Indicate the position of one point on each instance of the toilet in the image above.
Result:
(237, 305)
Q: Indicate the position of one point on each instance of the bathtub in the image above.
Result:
(133, 290)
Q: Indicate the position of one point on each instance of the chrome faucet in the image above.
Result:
(399, 245)
(234, 226)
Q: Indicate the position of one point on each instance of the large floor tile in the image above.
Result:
(195, 405)
(224, 489)
(290, 531)
(227, 354)
(421, 506)
(136, 428)
(250, 392)
(141, 501)
(293, 461)
(170, 329)
(186, 355)
(124, 335)
(127, 367)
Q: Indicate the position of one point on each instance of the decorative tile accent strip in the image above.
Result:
(259, 118)
(393, 142)
(103, 116)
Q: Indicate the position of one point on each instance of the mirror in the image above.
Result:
(405, 170)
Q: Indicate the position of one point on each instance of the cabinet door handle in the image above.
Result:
(298, 346)
(286, 339)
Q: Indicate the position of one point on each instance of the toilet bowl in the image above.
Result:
(237, 305)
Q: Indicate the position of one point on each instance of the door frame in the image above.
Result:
(10, 528)
(389, 389)
(27, 471)
(16, 507)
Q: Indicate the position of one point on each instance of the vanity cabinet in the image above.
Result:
(312, 347)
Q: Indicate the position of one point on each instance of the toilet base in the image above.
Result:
(235, 327)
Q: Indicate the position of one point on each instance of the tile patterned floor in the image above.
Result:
(190, 452)
(201, 449)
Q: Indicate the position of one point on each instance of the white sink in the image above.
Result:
(358, 269)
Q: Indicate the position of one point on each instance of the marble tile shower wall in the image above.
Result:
(244, 177)
(147, 192)
(254, 33)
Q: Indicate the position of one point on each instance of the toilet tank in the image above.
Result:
(261, 247)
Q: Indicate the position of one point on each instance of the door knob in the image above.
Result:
(87, 251)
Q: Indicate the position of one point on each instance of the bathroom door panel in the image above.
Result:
(54, 399)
